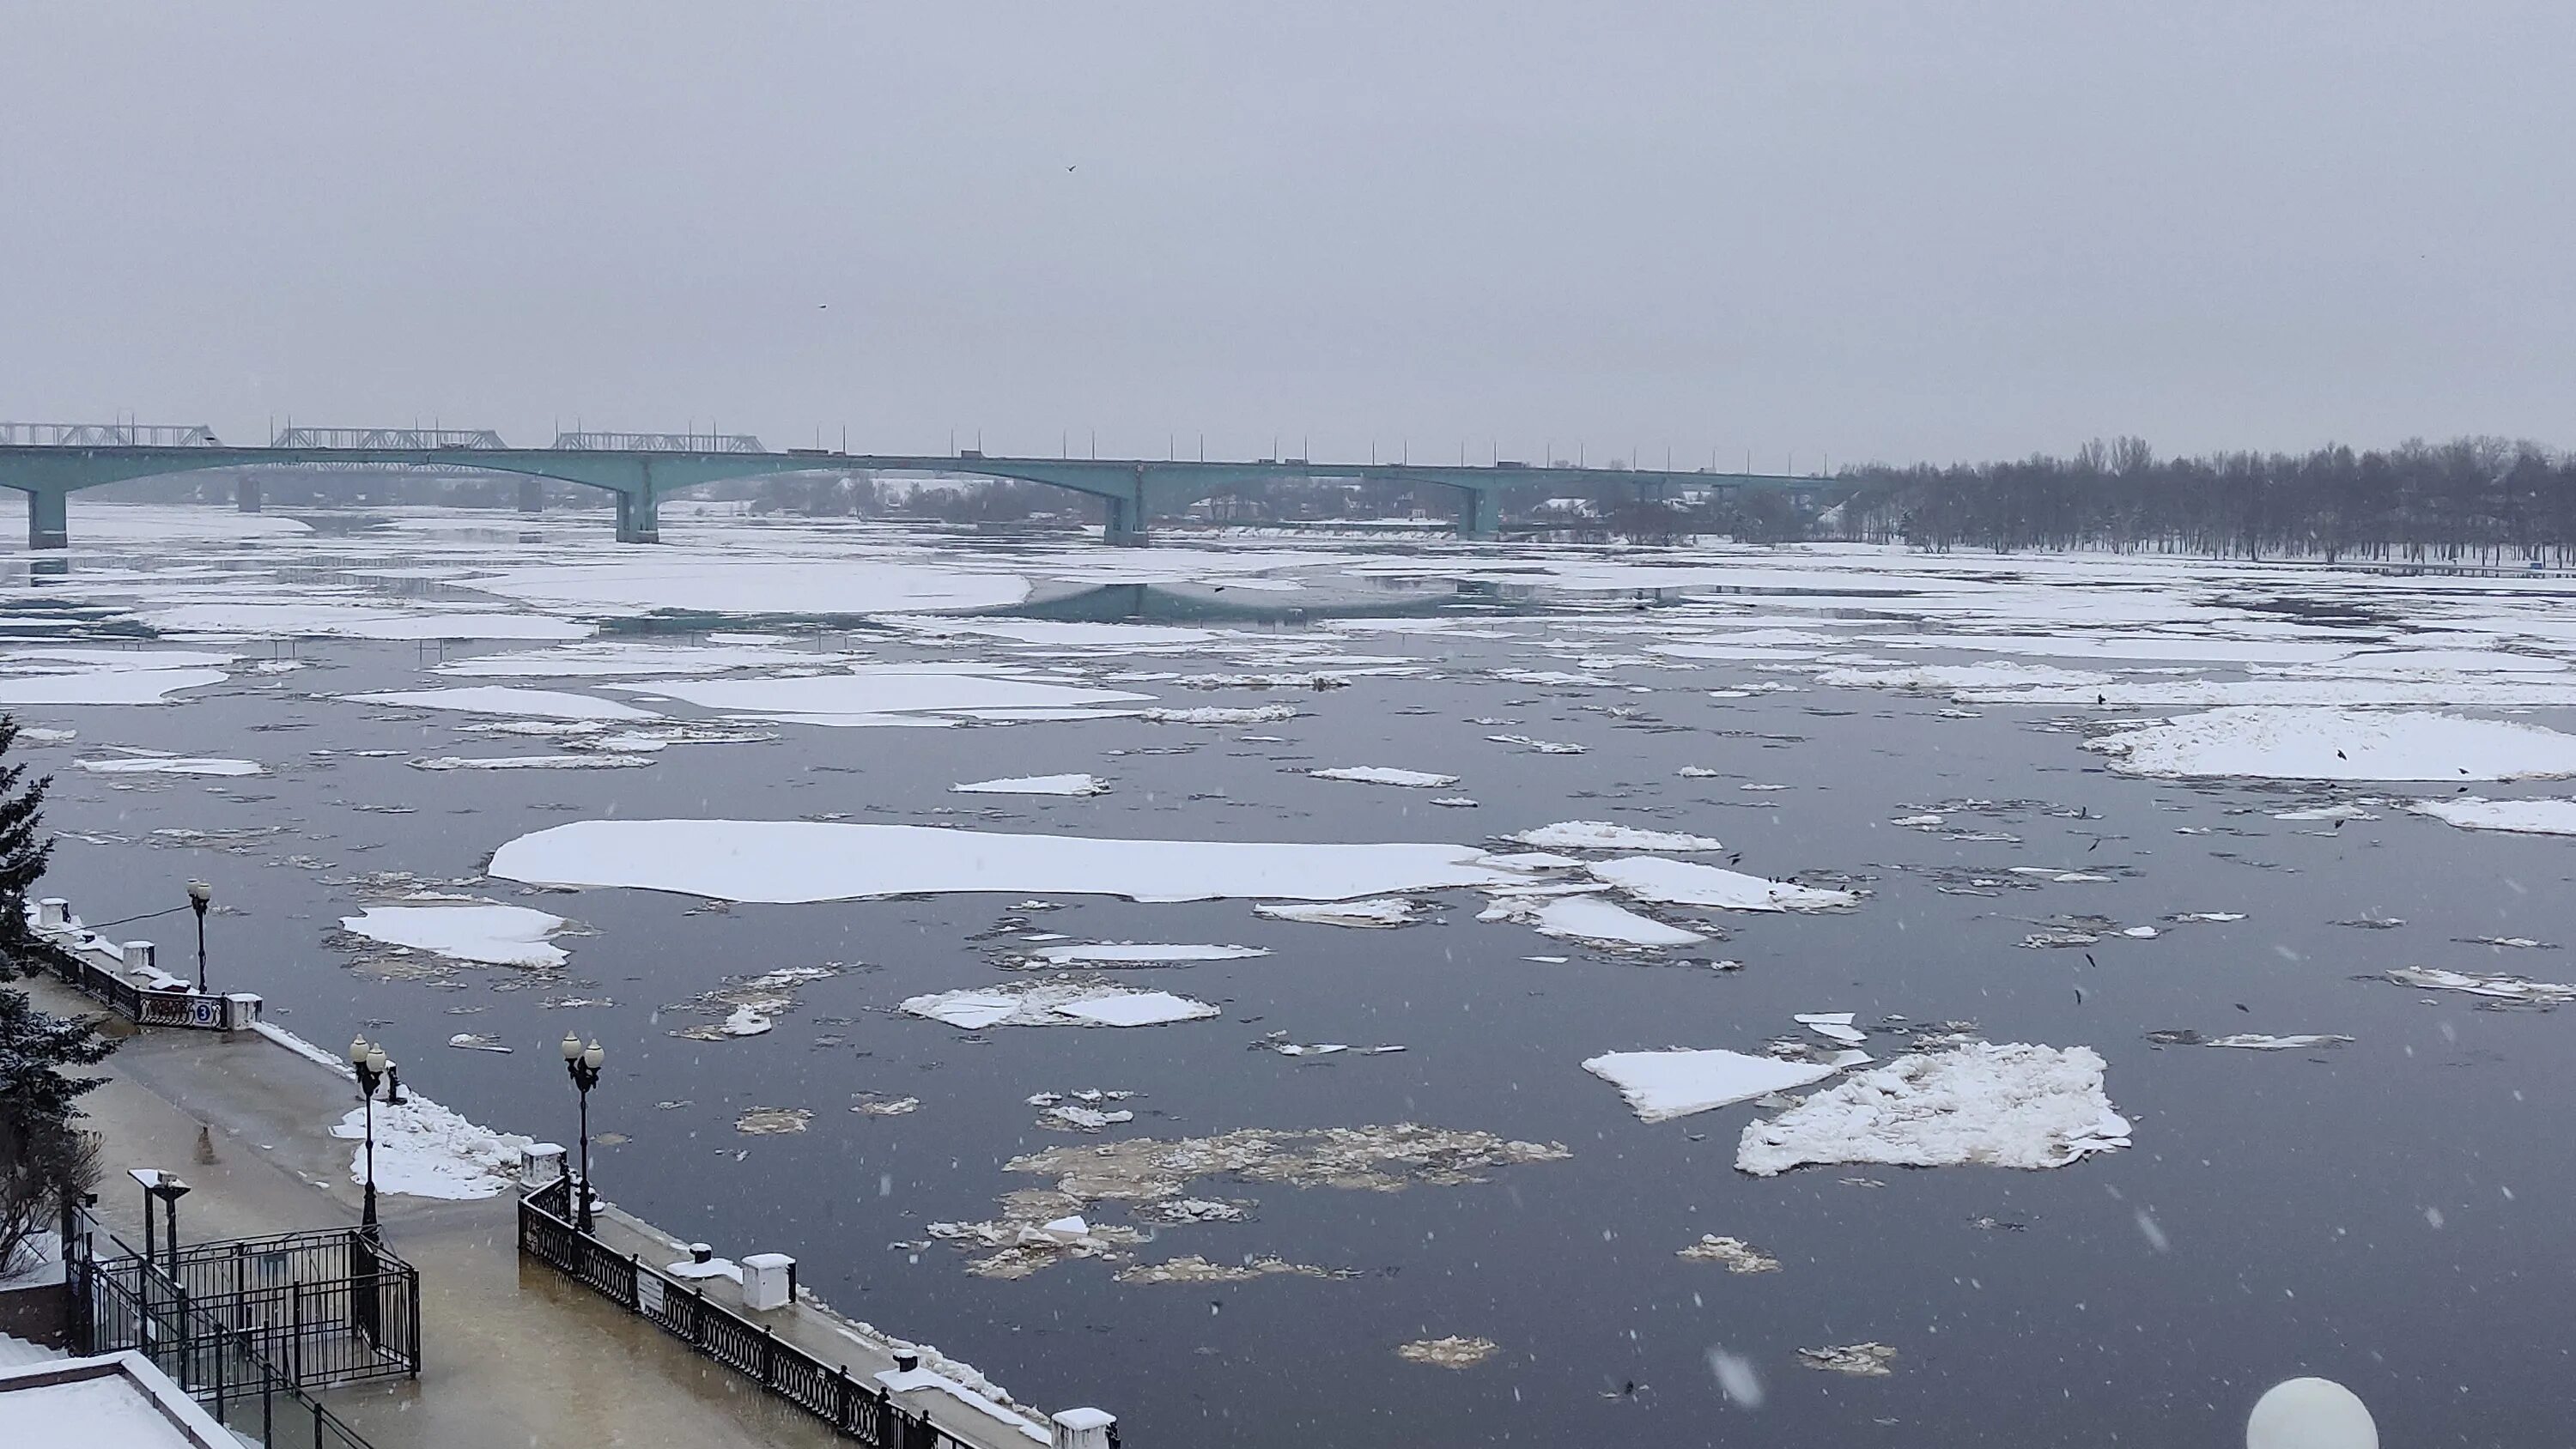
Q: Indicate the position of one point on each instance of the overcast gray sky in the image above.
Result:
(1894, 231)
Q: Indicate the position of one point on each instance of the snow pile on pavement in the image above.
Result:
(2014, 1105)
(1681, 883)
(425, 1150)
(781, 861)
(1603, 835)
(1668, 1084)
(1056, 1003)
(2340, 744)
(492, 935)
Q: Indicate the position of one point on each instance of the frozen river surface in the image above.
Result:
(2104, 987)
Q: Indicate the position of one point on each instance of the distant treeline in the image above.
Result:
(2474, 500)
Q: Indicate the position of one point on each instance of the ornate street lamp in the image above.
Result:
(200, 896)
(372, 1066)
(583, 1063)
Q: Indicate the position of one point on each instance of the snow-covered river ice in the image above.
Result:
(2104, 986)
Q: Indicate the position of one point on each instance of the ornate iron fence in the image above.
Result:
(855, 1410)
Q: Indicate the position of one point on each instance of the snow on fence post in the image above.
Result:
(1083, 1429)
(137, 955)
(53, 912)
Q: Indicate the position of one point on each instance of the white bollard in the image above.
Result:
(1083, 1429)
(54, 911)
(2310, 1413)
(768, 1280)
(540, 1163)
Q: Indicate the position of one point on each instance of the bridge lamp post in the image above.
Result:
(200, 896)
(582, 1063)
(371, 1064)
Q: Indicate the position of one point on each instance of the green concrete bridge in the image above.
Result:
(1133, 490)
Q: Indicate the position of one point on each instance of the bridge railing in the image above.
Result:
(106, 435)
(658, 443)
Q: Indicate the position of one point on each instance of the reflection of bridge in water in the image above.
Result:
(51, 461)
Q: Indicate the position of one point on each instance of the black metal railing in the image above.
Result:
(328, 1307)
(251, 1378)
(854, 1410)
(205, 1011)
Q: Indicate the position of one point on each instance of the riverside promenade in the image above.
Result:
(512, 1351)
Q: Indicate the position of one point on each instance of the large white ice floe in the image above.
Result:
(722, 585)
(1943, 678)
(104, 686)
(781, 861)
(901, 694)
(255, 621)
(1220, 715)
(425, 1150)
(2337, 744)
(2014, 1105)
(1056, 1003)
(170, 765)
(1684, 883)
(1383, 912)
(593, 761)
(1386, 775)
(1036, 785)
(1603, 835)
(1590, 919)
(1667, 1084)
(2495, 987)
(1141, 953)
(2528, 817)
(497, 699)
(621, 658)
(492, 935)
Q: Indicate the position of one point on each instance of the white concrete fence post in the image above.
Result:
(54, 912)
(768, 1280)
(540, 1163)
(137, 955)
(1083, 1429)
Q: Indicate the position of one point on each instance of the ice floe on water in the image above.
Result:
(1590, 919)
(2527, 817)
(1386, 775)
(781, 861)
(170, 765)
(713, 583)
(629, 659)
(316, 621)
(1133, 953)
(2249, 1040)
(1220, 715)
(1537, 746)
(1382, 912)
(1685, 883)
(1036, 785)
(1450, 1353)
(1604, 835)
(2520, 989)
(599, 761)
(104, 685)
(1860, 1360)
(1945, 678)
(878, 694)
(1733, 1254)
(487, 934)
(2014, 1105)
(1662, 1085)
(497, 699)
(1056, 1003)
(2335, 744)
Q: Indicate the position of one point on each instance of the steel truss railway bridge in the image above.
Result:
(51, 461)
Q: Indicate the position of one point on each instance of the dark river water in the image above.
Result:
(2391, 1214)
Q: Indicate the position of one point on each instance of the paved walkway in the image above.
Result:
(512, 1352)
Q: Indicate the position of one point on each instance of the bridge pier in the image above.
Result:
(48, 519)
(532, 495)
(1477, 511)
(638, 521)
(1125, 525)
(246, 494)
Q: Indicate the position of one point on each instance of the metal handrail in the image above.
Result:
(862, 1412)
